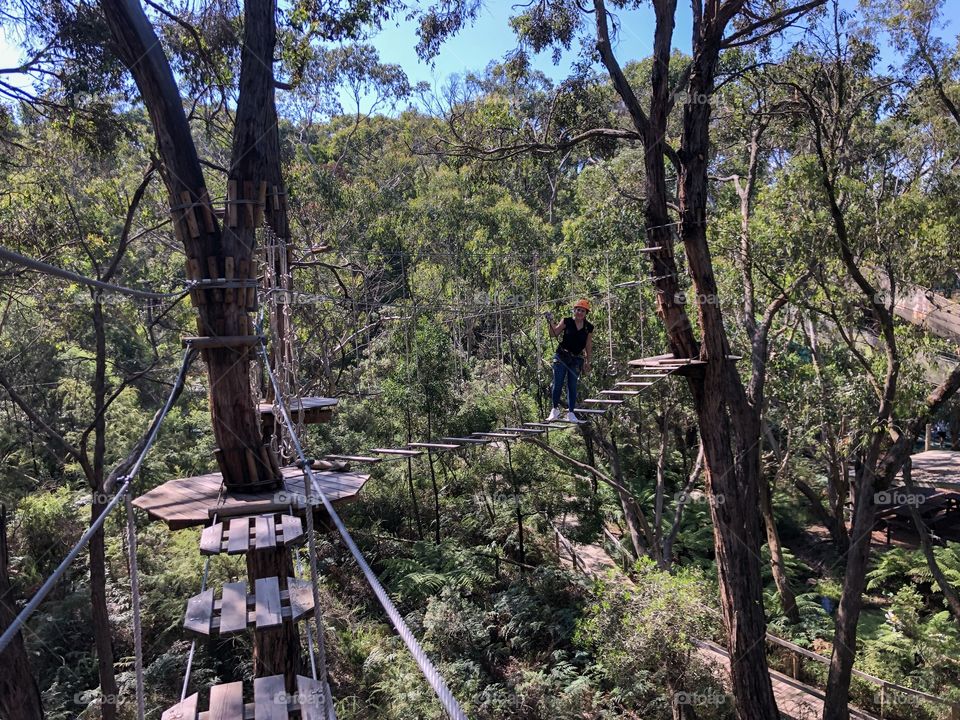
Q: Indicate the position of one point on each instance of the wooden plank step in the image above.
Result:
(604, 401)
(434, 445)
(656, 376)
(397, 451)
(310, 699)
(186, 710)
(226, 701)
(270, 698)
(512, 436)
(625, 393)
(633, 384)
(268, 606)
(546, 426)
(590, 411)
(533, 431)
(467, 440)
(270, 702)
(353, 458)
(238, 535)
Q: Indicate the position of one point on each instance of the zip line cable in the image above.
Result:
(428, 669)
(54, 578)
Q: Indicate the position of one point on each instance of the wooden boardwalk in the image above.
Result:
(188, 502)
(936, 468)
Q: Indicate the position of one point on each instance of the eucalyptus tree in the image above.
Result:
(875, 192)
(728, 411)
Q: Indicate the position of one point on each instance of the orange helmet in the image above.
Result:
(582, 303)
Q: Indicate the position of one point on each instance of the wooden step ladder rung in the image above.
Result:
(236, 610)
(226, 702)
(435, 445)
(591, 411)
(270, 702)
(397, 451)
(353, 458)
(603, 401)
(466, 440)
(633, 384)
(497, 435)
(522, 430)
(625, 393)
(242, 534)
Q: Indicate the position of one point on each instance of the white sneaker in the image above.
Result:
(554, 415)
(571, 417)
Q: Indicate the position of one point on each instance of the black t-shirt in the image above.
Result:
(573, 340)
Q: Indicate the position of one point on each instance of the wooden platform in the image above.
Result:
(188, 502)
(936, 468)
(239, 535)
(270, 702)
(267, 607)
(314, 409)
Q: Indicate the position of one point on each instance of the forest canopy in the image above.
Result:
(754, 220)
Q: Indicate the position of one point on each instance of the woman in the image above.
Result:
(572, 357)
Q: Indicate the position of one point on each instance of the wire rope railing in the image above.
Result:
(427, 668)
(127, 481)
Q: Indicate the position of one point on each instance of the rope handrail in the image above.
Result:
(428, 669)
(95, 526)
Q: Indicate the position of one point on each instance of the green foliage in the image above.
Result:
(46, 527)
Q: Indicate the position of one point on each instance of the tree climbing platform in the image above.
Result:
(314, 409)
(188, 502)
(271, 701)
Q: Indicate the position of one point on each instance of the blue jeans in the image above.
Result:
(569, 372)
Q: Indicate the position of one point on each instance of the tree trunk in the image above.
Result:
(851, 598)
(641, 534)
(211, 253)
(838, 485)
(518, 507)
(788, 600)
(100, 618)
(729, 427)
(19, 693)
(661, 490)
(95, 477)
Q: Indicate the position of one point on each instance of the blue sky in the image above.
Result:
(490, 38)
